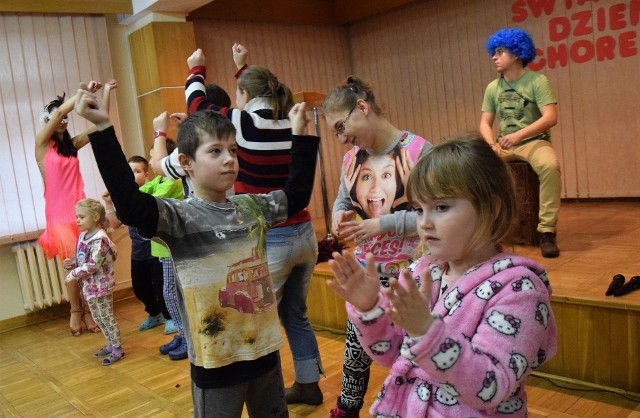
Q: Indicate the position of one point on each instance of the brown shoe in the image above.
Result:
(548, 245)
(307, 393)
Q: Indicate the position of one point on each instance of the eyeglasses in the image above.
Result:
(341, 125)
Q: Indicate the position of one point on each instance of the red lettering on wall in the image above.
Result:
(519, 11)
(634, 12)
(605, 48)
(537, 65)
(592, 33)
(616, 16)
(582, 51)
(601, 18)
(539, 6)
(583, 20)
(559, 28)
(627, 41)
(557, 55)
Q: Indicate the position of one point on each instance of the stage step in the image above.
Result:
(598, 338)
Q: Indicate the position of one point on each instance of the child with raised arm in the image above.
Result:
(217, 243)
(92, 269)
(465, 325)
(263, 132)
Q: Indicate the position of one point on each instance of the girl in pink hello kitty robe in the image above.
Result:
(492, 327)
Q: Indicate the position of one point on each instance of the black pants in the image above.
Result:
(146, 281)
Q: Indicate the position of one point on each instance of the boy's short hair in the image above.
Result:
(217, 95)
(209, 121)
(139, 159)
(516, 40)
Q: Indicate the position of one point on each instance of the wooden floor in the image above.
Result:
(597, 240)
(46, 372)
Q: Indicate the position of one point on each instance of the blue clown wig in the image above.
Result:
(515, 40)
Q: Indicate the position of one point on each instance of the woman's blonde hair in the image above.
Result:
(466, 167)
(95, 207)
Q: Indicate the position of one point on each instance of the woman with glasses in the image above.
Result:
(376, 220)
(57, 157)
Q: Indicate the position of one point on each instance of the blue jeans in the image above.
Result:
(292, 252)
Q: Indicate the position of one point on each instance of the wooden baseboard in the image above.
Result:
(51, 313)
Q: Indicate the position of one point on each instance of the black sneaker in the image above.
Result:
(548, 245)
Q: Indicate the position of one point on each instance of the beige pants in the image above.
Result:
(544, 161)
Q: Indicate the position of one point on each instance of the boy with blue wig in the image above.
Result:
(527, 110)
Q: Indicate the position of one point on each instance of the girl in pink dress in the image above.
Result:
(57, 157)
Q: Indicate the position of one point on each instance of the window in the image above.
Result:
(43, 56)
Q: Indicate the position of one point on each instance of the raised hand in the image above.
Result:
(410, 303)
(106, 196)
(93, 86)
(352, 283)
(299, 119)
(178, 117)
(351, 171)
(110, 85)
(196, 59)
(90, 108)
(161, 122)
(404, 164)
(240, 53)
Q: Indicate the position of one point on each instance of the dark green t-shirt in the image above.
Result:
(517, 103)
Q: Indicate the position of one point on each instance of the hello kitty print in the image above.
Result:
(492, 327)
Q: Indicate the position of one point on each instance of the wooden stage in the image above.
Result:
(598, 335)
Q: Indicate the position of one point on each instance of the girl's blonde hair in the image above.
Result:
(466, 167)
(95, 207)
(258, 81)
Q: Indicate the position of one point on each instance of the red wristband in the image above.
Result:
(159, 133)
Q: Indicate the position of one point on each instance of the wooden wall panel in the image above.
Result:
(305, 58)
(156, 53)
(152, 104)
(429, 68)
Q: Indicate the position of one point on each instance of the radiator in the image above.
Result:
(41, 280)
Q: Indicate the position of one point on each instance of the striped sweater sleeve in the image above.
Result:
(194, 91)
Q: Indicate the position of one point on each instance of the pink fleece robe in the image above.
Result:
(492, 327)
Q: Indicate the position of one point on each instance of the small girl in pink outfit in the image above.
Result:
(465, 324)
(93, 268)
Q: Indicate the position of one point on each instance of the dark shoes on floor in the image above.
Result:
(616, 284)
(619, 288)
(176, 348)
(548, 245)
(171, 345)
(180, 352)
(307, 393)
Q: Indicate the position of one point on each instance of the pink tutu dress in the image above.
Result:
(63, 188)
